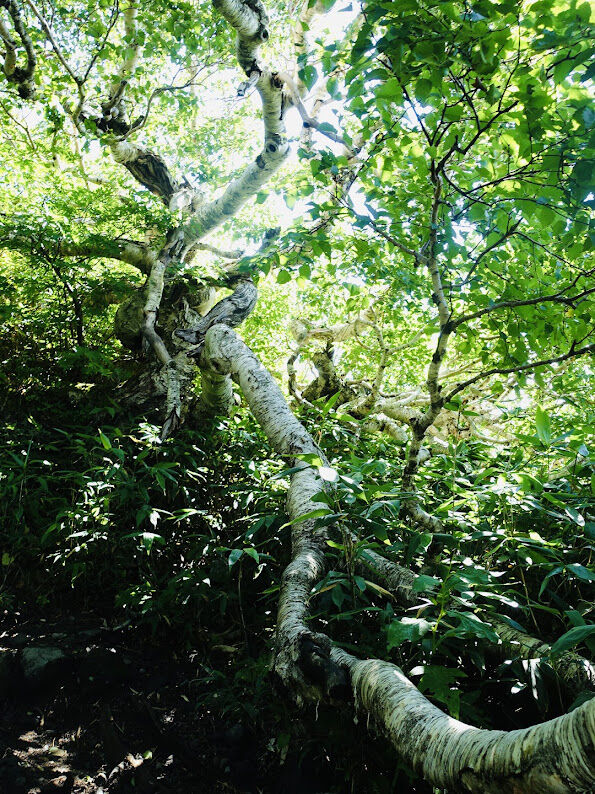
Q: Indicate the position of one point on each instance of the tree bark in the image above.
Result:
(576, 672)
(556, 757)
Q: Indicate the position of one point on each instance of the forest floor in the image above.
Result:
(88, 707)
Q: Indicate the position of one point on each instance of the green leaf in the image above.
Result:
(584, 12)
(338, 595)
(438, 681)
(471, 625)
(308, 75)
(390, 90)
(581, 572)
(423, 88)
(360, 582)
(147, 539)
(424, 583)
(542, 422)
(406, 630)
(322, 511)
(107, 444)
(575, 516)
(234, 556)
(330, 403)
(283, 276)
(572, 638)
(251, 552)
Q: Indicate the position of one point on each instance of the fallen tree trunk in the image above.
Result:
(555, 757)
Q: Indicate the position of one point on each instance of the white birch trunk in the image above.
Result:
(298, 648)
(556, 757)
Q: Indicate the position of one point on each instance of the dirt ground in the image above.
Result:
(114, 713)
(88, 707)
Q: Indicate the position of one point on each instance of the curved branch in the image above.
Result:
(559, 297)
(555, 757)
(303, 657)
(234, 253)
(230, 311)
(572, 353)
(249, 19)
(133, 253)
(10, 57)
(50, 37)
(22, 76)
(226, 353)
(149, 168)
(256, 174)
(137, 254)
(575, 671)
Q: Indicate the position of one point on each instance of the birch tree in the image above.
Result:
(434, 165)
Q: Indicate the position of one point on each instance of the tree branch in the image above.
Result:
(558, 297)
(133, 253)
(10, 57)
(22, 76)
(556, 757)
(572, 353)
(149, 168)
(132, 41)
(230, 311)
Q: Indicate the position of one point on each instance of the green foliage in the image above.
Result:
(493, 564)
(119, 514)
(468, 138)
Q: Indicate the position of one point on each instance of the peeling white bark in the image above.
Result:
(381, 423)
(130, 63)
(250, 22)
(148, 168)
(216, 397)
(153, 295)
(125, 152)
(10, 56)
(555, 757)
(334, 333)
(135, 254)
(256, 174)
(248, 19)
(297, 646)
(22, 76)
